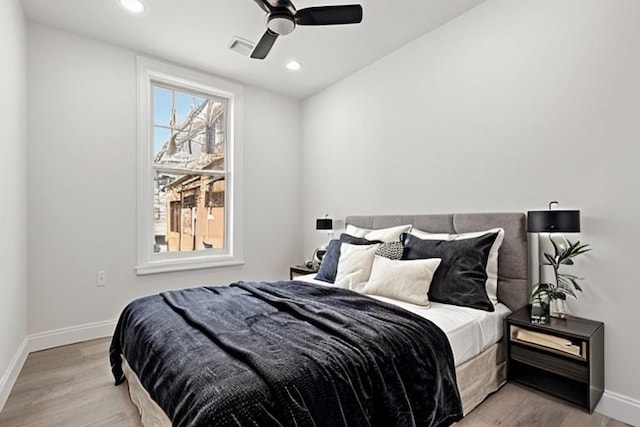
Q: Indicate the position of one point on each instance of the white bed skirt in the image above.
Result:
(150, 413)
(477, 378)
(481, 376)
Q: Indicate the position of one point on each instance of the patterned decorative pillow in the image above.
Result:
(391, 250)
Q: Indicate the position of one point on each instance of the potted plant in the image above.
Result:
(544, 295)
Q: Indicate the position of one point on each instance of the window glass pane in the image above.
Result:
(160, 137)
(195, 134)
(162, 105)
(185, 103)
(189, 212)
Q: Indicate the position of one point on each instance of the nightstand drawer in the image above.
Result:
(551, 362)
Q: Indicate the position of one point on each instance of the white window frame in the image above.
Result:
(152, 71)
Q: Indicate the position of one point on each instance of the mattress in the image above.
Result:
(469, 330)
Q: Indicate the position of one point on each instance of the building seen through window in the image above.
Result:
(189, 152)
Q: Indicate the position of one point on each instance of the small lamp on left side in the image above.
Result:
(322, 224)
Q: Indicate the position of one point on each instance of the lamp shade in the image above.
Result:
(553, 221)
(324, 224)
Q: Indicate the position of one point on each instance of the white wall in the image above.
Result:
(509, 106)
(13, 215)
(82, 188)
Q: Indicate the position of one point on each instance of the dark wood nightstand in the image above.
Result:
(300, 270)
(576, 376)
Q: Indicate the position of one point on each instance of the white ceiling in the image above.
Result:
(196, 33)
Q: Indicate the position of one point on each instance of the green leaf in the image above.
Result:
(569, 284)
(570, 279)
(563, 280)
(567, 290)
(559, 294)
(539, 290)
(551, 260)
(575, 249)
(556, 248)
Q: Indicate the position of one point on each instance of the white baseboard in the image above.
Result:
(11, 374)
(71, 335)
(620, 407)
(50, 339)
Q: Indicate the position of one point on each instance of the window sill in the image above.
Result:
(191, 264)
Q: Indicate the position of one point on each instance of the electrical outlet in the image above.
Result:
(102, 278)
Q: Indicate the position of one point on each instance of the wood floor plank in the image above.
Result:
(537, 412)
(72, 386)
(497, 407)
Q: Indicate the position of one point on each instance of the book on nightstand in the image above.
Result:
(546, 340)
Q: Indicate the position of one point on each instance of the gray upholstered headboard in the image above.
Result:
(513, 282)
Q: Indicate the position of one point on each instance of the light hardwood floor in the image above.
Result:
(72, 386)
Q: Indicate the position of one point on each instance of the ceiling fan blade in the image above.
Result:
(264, 5)
(264, 45)
(330, 15)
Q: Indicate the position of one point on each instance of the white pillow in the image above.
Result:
(403, 280)
(491, 285)
(354, 265)
(391, 234)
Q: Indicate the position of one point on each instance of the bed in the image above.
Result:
(474, 336)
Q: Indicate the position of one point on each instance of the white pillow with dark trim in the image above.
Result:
(491, 285)
(402, 280)
(390, 234)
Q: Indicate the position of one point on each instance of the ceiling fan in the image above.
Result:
(282, 18)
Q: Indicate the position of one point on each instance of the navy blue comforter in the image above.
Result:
(286, 354)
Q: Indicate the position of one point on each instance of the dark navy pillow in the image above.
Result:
(329, 266)
(460, 278)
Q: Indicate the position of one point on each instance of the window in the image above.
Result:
(189, 161)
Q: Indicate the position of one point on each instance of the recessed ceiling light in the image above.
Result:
(293, 65)
(133, 6)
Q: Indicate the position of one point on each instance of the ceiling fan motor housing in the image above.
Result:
(281, 23)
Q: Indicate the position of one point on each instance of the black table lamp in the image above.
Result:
(322, 224)
(553, 221)
(325, 223)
